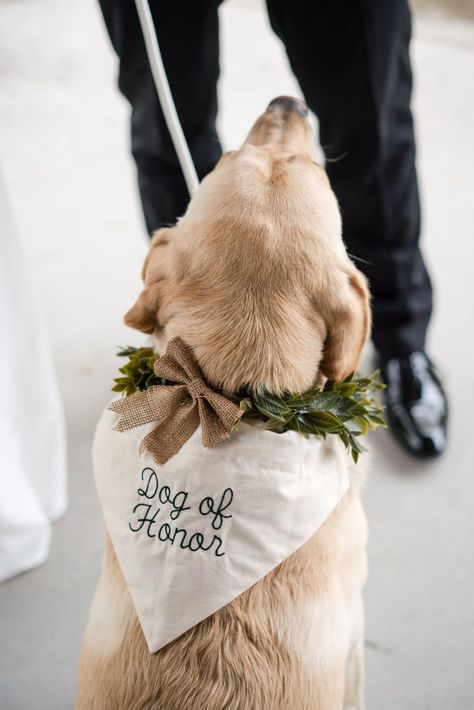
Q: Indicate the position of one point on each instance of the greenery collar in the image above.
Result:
(348, 409)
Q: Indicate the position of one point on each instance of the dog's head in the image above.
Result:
(255, 276)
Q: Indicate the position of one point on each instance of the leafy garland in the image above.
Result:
(348, 409)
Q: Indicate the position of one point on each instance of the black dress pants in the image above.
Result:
(351, 59)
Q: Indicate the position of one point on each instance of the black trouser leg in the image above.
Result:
(189, 43)
(351, 58)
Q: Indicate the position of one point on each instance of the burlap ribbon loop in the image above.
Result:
(177, 409)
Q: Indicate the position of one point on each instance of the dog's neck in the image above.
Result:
(231, 369)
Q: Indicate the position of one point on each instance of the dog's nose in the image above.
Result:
(289, 103)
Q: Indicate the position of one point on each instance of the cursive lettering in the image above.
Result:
(208, 505)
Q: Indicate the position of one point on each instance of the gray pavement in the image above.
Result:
(64, 150)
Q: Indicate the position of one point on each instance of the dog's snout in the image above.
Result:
(284, 125)
(289, 103)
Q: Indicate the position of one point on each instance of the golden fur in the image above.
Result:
(256, 279)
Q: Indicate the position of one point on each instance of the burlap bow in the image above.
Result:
(177, 409)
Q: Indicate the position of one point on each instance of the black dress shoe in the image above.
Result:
(416, 405)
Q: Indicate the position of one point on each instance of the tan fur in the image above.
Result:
(256, 279)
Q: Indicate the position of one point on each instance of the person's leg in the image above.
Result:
(189, 42)
(351, 58)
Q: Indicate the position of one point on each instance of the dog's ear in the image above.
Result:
(143, 314)
(348, 324)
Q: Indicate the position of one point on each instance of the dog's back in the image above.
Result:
(291, 641)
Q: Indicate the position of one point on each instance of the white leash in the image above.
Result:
(165, 96)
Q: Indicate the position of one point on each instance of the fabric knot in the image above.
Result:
(197, 388)
(177, 409)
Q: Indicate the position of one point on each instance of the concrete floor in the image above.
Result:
(64, 148)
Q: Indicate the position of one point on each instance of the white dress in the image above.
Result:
(32, 432)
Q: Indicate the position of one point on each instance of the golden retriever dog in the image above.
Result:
(256, 279)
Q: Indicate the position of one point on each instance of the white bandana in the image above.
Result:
(194, 533)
